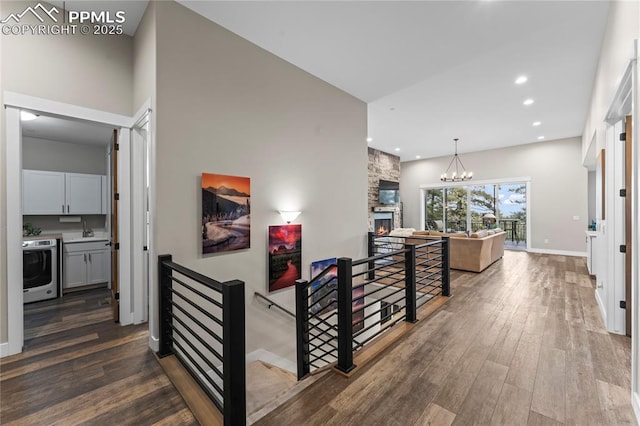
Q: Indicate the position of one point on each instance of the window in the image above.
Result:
(461, 209)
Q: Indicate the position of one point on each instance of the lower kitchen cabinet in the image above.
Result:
(86, 264)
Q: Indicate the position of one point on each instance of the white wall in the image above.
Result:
(623, 26)
(558, 187)
(55, 156)
(144, 58)
(93, 72)
(226, 106)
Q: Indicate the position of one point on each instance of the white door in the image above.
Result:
(84, 193)
(98, 270)
(42, 192)
(75, 269)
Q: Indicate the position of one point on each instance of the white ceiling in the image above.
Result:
(65, 130)
(431, 71)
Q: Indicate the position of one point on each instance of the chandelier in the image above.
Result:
(456, 176)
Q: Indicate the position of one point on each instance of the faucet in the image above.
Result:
(86, 232)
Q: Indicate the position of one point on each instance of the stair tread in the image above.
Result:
(266, 382)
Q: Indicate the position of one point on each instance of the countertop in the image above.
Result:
(42, 237)
(76, 237)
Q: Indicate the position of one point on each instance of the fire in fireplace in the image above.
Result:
(382, 222)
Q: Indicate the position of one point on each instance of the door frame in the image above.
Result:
(625, 102)
(13, 103)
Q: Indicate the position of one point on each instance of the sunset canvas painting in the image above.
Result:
(285, 256)
(226, 213)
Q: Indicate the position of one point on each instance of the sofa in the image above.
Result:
(474, 253)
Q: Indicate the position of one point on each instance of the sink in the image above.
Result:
(84, 239)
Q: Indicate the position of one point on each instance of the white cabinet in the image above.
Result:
(86, 264)
(43, 192)
(75, 269)
(46, 193)
(83, 193)
(105, 194)
(98, 270)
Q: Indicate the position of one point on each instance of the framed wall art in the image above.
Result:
(226, 213)
(285, 256)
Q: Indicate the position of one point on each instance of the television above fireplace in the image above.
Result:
(388, 192)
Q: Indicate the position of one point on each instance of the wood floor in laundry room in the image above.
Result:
(79, 367)
(521, 343)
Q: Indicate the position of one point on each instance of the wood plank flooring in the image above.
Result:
(78, 367)
(520, 344)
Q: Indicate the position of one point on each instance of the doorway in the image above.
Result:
(66, 193)
(14, 104)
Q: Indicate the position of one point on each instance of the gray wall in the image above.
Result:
(55, 156)
(558, 187)
(226, 106)
(144, 59)
(90, 71)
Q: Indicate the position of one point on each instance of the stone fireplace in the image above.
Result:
(387, 167)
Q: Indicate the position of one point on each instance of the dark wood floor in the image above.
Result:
(519, 344)
(79, 367)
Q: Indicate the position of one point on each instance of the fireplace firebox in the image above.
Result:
(382, 222)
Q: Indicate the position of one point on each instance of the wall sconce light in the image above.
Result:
(289, 216)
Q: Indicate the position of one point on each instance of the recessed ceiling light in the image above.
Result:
(418, 157)
(369, 139)
(397, 149)
(521, 79)
(537, 123)
(540, 138)
(27, 116)
(528, 101)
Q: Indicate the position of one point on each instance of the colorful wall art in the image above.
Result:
(226, 212)
(357, 307)
(285, 256)
(325, 299)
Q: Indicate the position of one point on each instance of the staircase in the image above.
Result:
(265, 383)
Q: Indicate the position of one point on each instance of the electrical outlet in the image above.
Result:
(546, 241)
(576, 218)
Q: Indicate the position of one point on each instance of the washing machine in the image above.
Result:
(39, 270)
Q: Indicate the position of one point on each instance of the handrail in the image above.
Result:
(196, 276)
(200, 340)
(417, 271)
(272, 303)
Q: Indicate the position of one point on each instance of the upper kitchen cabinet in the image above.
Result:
(47, 193)
(83, 193)
(43, 192)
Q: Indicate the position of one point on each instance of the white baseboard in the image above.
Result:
(154, 343)
(635, 404)
(4, 349)
(558, 252)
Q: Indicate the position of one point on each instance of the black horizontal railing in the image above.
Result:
(202, 323)
(339, 313)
